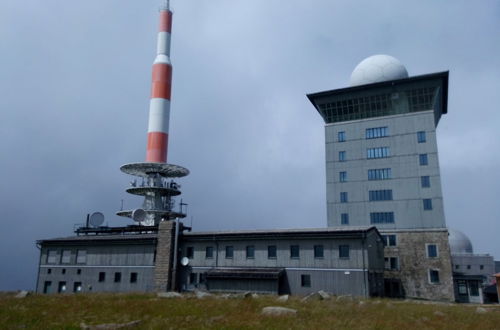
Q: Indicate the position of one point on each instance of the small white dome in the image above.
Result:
(459, 242)
(378, 68)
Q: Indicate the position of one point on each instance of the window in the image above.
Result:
(481, 267)
(427, 204)
(62, 287)
(229, 252)
(102, 276)
(381, 152)
(66, 256)
(344, 219)
(118, 277)
(305, 281)
(202, 277)
(190, 252)
(46, 286)
(192, 278)
(391, 263)
(81, 256)
(63, 271)
(344, 251)
(341, 156)
(250, 252)
(425, 181)
(133, 277)
(474, 288)
(462, 288)
(468, 266)
(294, 252)
(49, 271)
(271, 252)
(77, 287)
(341, 136)
(432, 251)
(434, 276)
(377, 132)
(381, 217)
(380, 195)
(423, 160)
(343, 197)
(457, 266)
(318, 251)
(421, 137)
(379, 174)
(389, 240)
(79, 271)
(342, 176)
(52, 256)
(209, 252)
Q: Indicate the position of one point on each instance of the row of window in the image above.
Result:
(380, 132)
(378, 174)
(65, 257)
(481, 267)
(383, 152)
(384, 195)
(271, 251)
(375, 218)
(118, 277)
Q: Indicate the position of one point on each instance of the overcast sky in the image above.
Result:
(75, 83)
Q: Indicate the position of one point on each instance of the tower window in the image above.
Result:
(379, 174)
(434, 276)
(343, 176)
(427, 204)
(389, 240)
(432, 251)
(341, 156)
(381, 152)
(343, 197)
(81, 256)
(229, 252)
(209, 252)
(271, 252)
(52, 256)
(344, 219)
(423, 160)
(380, 195)
(66, 257)
(294, 251)
(318, 251)
(381, 217)
(421, 137)
(377, 132)
(250, 252)
(344, 251)
(425, 181)
(341, 136)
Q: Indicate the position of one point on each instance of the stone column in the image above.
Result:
(164, 256)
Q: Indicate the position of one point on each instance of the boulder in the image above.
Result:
(22, 294)
(202, 294)
(481, 310)
(170, 294)
(278, 311)
(283, 298)
(323, 295)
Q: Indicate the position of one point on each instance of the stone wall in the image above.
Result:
(414, 264)
(164, 256)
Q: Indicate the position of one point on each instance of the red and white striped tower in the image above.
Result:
(161, 85)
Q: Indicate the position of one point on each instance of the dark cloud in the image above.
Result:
(75, 85)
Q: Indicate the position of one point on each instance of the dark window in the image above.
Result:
(379, 152)
(77, 287)
(391, 263)
(344, 251)
(341, 156)
(190, 252)
(341, 136)
(52, 256)
(343, 176)
(427, 204)
(344, 219)
(229, 252)
(46, 286)
(434, 276)
(62, 287)
(425, 181)
(250, 252)
(81, 256)
(432, 251)
(343, 197)
(379, 174)
(389, 240)
(66, 257)
(202, 277)
(457, 266)
(192, 278)
(481, 267)
(271, 252)
(380, 195)
(423, 160)
(209, 252)
(318, 251)
(381, 217)
(468, 266)
(421, 137)
(102, 276)
(377, 132)
(305, 281)
(79, 271)
(474, 288)
(118, 277)
(294, 251)
(133, 277)
(462, 288)
(49, 271)
(63, 271)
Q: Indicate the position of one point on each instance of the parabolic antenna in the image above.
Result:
(184, 261)
(139, 215)
(96, 219)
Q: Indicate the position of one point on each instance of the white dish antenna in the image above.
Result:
(96, 219)
(139, 215)
(184, 261)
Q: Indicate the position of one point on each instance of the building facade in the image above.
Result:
(382, 169)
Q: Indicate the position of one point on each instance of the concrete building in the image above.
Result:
(382, 169)
(298, 261)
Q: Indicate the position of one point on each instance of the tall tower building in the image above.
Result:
(382, 169)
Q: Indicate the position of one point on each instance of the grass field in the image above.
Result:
(70, 311)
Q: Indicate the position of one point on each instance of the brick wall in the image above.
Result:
(164, 256)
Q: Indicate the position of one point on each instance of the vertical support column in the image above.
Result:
(164, 256)
(497, 277)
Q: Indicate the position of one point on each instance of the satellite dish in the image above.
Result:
(139, 215)
(184, 261)
(96, 219)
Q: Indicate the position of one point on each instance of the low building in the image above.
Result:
(293, 261)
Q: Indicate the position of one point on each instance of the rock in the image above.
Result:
(323, 295)
(171, 294)
(481, 310)
(247, 294)
(283, 298)
(202, 294)
(255, 296)
(439, 313)
(22, 294)
(110, 325)
(362, 303)
(224, 296)
(277, 311)
(346, 297)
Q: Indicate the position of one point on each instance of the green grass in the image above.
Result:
(69, 311)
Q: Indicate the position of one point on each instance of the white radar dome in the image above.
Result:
(378, 68)
(459, 242)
